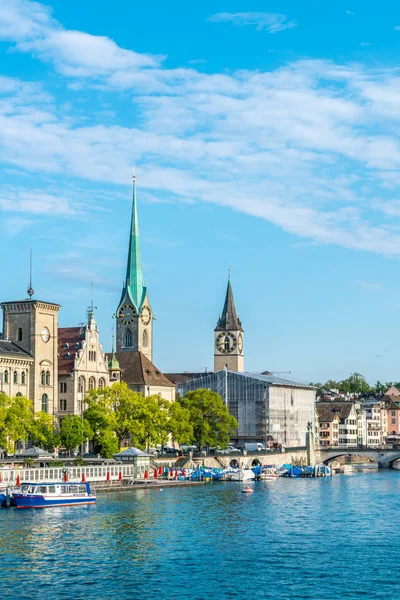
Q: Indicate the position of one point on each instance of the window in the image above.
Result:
(91, 383)
(23, 377)
(128, 338)
(102, 383)
(18, 394)
(145, 338)
(20, 334)
(43, 378)
(47, 377)
(393, 421)
(44, 402)
(92, 355)
(63, 388)
(6, 376)
(393, 413)
(15, 377)
(63, 404)
(81, 385)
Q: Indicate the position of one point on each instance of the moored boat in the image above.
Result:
(50, 494)
(243, 475)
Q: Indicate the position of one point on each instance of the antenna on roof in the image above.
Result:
(134, 172)
(30, 289)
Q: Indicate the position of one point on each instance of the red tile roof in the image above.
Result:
(70, 336)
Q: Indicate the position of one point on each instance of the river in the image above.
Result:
(320, 539)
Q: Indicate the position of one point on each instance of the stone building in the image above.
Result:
(28, 351)
(134, 316)
(228, 337)
(83, 366)
(348, 419)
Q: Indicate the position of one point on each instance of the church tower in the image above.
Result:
(134, 315)
(228, 337)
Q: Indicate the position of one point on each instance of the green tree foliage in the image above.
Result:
(74, 431)
(18, 421)
(44, 432)
(211, 421)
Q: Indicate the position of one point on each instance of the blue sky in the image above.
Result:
(266, 138)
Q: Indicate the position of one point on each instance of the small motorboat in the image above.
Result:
(42, 495)
(247, 490)
(243, 475)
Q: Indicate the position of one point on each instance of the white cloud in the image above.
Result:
(22, 19)
(271, 22)
(34, 203)
(307, 146)
(370, 286)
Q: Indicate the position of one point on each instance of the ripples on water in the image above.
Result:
(291, 539)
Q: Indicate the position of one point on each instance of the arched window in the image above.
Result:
(227, 343)
(128, 338)
(18, 394)
(15, 377)
(145, 338)
(23, 378)
(102, 383)
(91, 383)
(44, 402)
(20, 334)
(47, 377)
(43, 377)
(6, 376)
(81, 385)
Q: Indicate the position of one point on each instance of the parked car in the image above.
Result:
(187, 449)
(169, 450)
(228, 450)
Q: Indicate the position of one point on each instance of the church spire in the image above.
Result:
(229, 319)
(134, 283)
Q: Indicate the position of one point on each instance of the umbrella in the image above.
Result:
(155, 474)
(108, 478)
(146, 475)
(18, 482)
(160, 470)
(120, 476)
(83, 478)
(65, 477)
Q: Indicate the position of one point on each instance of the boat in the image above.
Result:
(243, 475)
(50, 494)
(247, 490)
(269, 473)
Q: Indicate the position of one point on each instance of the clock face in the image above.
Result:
(126, 314)
(240, 343)
(45, 334)
(226, 342)
(145, 315)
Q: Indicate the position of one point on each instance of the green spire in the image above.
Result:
(113, 363)
(134, 283)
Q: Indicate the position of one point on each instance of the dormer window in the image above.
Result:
(65, 345)
(67, 355)
(77, 345)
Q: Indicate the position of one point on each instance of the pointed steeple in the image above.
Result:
(134, 283)
(113, 363)
(229, 319)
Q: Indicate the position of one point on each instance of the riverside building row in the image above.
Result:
(368, 422)
(56, 366)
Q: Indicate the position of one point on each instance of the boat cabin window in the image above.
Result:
(52, 489)
(43, 489)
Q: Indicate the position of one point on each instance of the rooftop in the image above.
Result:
(8, 348)
(137, 369)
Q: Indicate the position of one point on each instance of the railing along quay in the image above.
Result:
(74, 473)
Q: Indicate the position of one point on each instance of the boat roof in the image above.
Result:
(54, 482)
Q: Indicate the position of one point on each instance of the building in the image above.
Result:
(327, 424)
(347, 414)
(264, 405)
(28, 351)
(373, 430)
(228, 337)
(83, 366)
(134, 316)
(390, 410)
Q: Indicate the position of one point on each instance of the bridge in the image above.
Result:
(384, 457)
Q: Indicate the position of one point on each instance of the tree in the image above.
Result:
(43, 431)
(212, 424)
(355, 384)
(176, 423)
(18, 421)
(74, 431)
(117, 409)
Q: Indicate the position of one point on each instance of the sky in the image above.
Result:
(265, 136)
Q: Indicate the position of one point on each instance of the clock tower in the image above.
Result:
(134, 314)
(228, 337)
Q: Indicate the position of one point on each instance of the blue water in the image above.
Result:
(319, 539)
